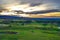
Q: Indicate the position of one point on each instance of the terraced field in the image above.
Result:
(29, 30)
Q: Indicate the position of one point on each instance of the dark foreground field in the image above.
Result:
(29, 30)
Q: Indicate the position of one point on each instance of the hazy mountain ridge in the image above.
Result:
(26, 18)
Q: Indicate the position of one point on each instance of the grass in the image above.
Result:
(30, 30)
(29, 35)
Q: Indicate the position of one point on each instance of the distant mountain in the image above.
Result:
(26, 18)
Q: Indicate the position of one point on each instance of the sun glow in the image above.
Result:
(17, 7)
(14, 14)
(7, 13)
(26, 8)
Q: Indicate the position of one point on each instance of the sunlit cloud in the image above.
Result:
(33, 5)
(30, 6)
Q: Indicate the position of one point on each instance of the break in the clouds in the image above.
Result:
(34, 5)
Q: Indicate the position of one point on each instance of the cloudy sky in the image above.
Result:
(32, 5)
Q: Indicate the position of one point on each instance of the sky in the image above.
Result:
(30, 5)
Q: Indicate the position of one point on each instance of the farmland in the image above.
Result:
(29, 30)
